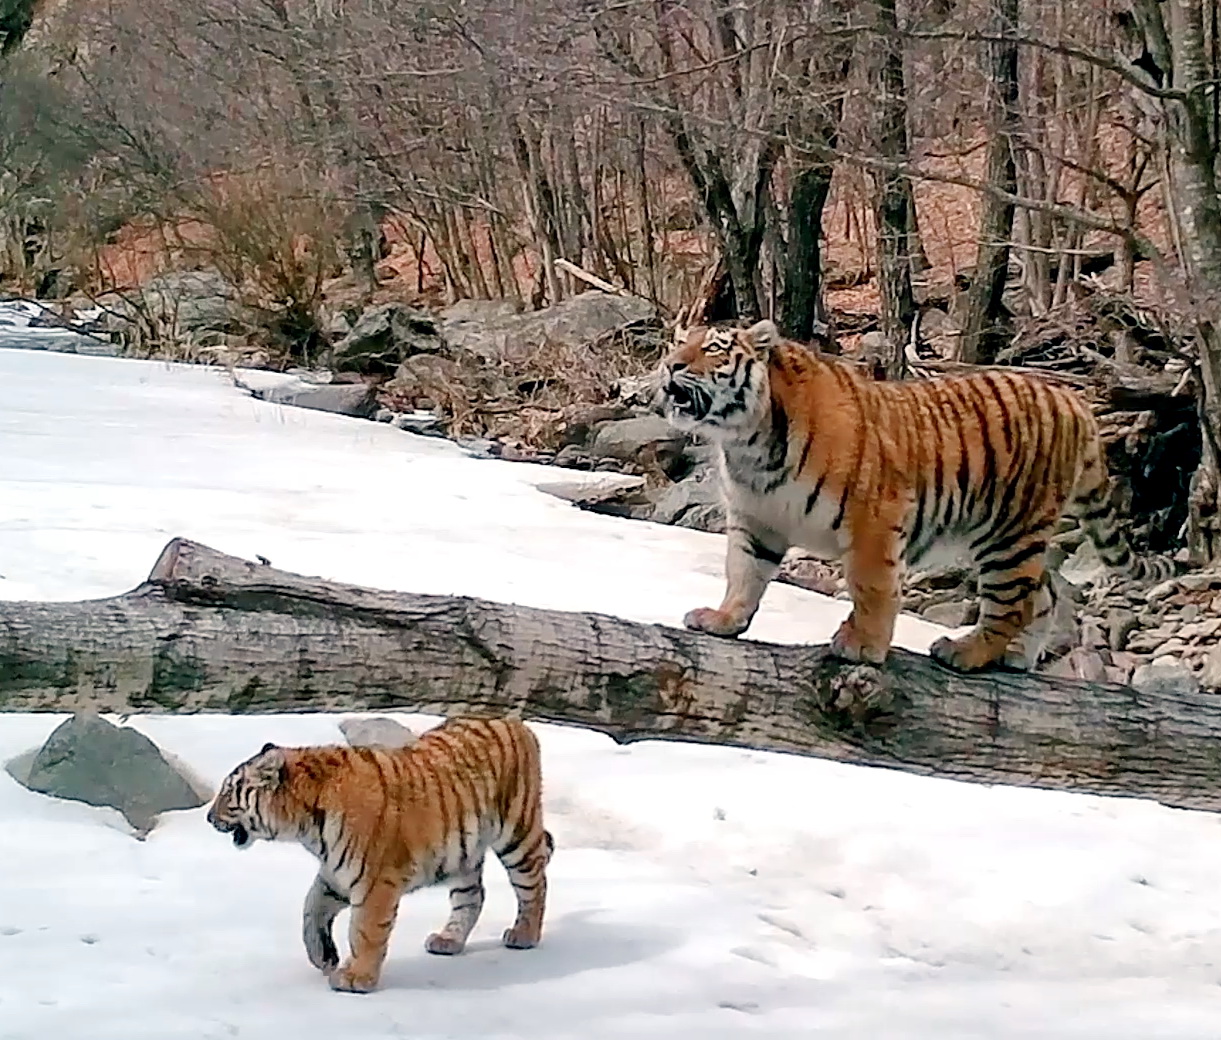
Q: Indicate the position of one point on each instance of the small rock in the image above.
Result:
(1190, 611)
(513, 452)
(1170, 646)
(1086, 664)
(424, 423)
(1120, 625)
(807, 572)
(1210, 674)
(1144, 642)
(1092, 635)
(1199, 582)
(1162, 591)
(479, 447)
(91, 760)
(952, 615)
(573, 457)
(376, 731)
(1165, 678)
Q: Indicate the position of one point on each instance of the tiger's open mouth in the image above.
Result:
(241, 836)
(687, 401)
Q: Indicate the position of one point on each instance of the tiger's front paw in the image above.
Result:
(848, 645)
(444, 945)
(714, 622)
(320, 948)
(966, 654)
(521, 937)
(346, 979)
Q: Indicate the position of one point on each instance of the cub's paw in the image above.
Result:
(961, 655)
(347, 980)
(847, 645)
(714, 622)
(320, 948)
(444, 945)
(519, 937)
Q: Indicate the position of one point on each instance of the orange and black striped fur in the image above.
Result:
(813, 453)
(383, 822)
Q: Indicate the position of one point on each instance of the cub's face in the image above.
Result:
(716, 378)
(242, 806)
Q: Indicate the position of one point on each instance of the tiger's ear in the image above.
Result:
(686, 335)
(764, 335)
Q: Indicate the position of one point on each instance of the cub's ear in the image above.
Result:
(271, 767)
(764, 335)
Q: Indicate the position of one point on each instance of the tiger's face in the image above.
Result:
(717, 377)
(242, 805)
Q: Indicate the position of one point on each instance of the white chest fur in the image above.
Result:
(790, 510)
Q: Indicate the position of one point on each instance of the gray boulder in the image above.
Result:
(494, 331)
(180, 303)
(376, 731)
(625, 439)
(356, 399)
(88, 759)
(1165, 678)
(694, 502)
(384, 336)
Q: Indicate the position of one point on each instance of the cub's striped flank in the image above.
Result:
(383, 822)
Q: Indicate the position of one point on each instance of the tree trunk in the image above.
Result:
(984, 331)
(801, 303)
(1179, 49)
(212, 633)
(894, 228)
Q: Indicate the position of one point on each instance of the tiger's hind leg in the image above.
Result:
(1011, 575)
(1028, 646)
(466, 903)
(525, 857)
(322, 905)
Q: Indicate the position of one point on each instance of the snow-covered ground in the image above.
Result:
(697, 892)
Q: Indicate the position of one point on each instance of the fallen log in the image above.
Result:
(209, 632)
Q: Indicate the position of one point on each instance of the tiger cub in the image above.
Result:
(386, 821)
(813, 453)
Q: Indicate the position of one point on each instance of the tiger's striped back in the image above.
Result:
(884, 475)
(386, 821)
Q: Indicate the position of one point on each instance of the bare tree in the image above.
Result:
(984, 330)
(894, 206)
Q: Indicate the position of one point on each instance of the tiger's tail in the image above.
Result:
(1093, 506)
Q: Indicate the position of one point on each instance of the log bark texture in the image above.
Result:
(209, 632)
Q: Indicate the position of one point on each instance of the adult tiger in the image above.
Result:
(383, 822)
(815, 454)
